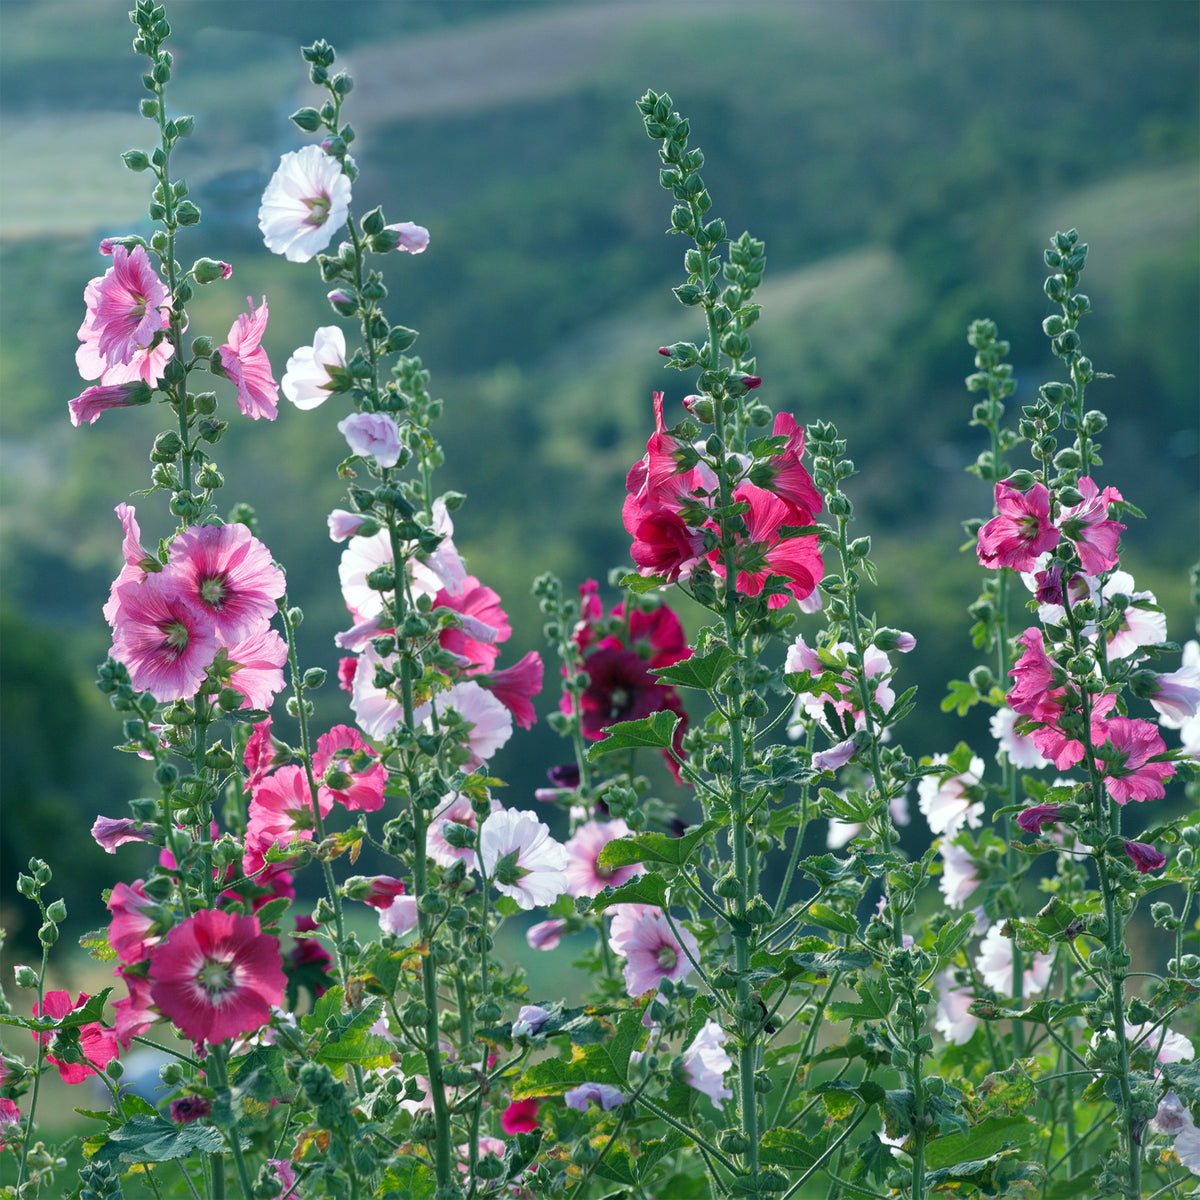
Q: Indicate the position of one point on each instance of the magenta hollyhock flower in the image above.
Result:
(1088, 526)
(372, 435)
(304, 204)
(1032, 819)
(309, 951)
(521, 859)
(545, 935)
(225, 572)
(280, 813)
(1034, 673)
(482, 624)
(286, 1174)
(603, 1094)
(1144, 857)
(790, 480)
(111, 832)
(133, 1014)
(1128, 773)
(307, 379)
(585, 875)
(652, 951)
(663, 542)
(137, 561)
(126, 309)
(256, 668)
(165, 643)
(1064, 751)
(93, 401)
(620, 688)
(342, 751)
(1020, 531)
(382, 890)
(520, 1116)
(97, 1044)
(705, 1063)
(516, 686)
(10, 1114)
(409, 236)
(217, 975)
(261, 753)
(245, 363)
(129, 931)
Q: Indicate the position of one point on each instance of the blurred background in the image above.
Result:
(904, 162)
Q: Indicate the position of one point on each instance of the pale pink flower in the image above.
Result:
(126, 309)
(1138, 626)
(360, 557)
(653, 953)
(877, 669)
(603, 1094)
(110, 832)
(490, 723)
(1088, 526)
(530, 1018)
(1177, 696)
(521, 858)
(705, 1063)
(953, 1020)
(286, 1175)
(217, 975)
(165, 643)
(1020, 748)
(245, 363)
(227, 573)
(1168, 1045)
(994, 963)
(585, 875)
(409, 236)
(945, 802)
(959, 873)
(307, 380)
(372, 435)
(1020, 531)
(457, 810)
(93, 401)
(256, 668)
(304, 205)
(344, 524)
(545, 935)
(376, 710)
(400, 916)
(835, 757)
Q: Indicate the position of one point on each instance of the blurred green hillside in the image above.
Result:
(904, 162)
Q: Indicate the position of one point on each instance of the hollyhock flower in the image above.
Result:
(286, 1175)
(165, 643)
(381, 890)
(10, 1114)
(344, 524)
(1088, 526)
(1020, 531)
(652, 951)
(133, 1014)
(1128, 775)
(255, 668)
(372, 435)
(959, 873)
(520, 1116)
(994, 963)
(307, 380)
(789, 479)
(304, 205)
(457, 810)
(1172, 1116)
(309, 952)
(245, 362)
(1059, 747)
(1176, 696)
(225, 572)
(346, 669)
(516, 686)
(835, 757)
(1035, 674)
(262, 753)
(376, 710)
(280, 813)
(1139, 626)
(545, 935)
(620, 688)
(137, 561)
(705, 1063)
(86, 408)
(409, 237)
(490, 722)
(482, 624)
(603, 1094)
(1145, 858)
(1032, 819)
(1166, 1045)
(530, 1018)
(400, 916)
(521, 858)
(954, 1020)
(97, 1045)
(663, 543)
(187, 1109)
(342, 749)
(585, 875)
(945, 801)
(217, 975)
(111, 832)
(1020, 749)
(877, 669)
(126, 308)
(129, 931)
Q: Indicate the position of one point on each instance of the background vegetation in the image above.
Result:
(904, 162)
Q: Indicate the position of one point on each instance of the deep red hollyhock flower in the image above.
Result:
(620, 688)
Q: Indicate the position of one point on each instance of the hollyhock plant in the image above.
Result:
(217, 975)
(372, 435)
(1020, 531)
(1087, 525)
(705, 1063)
(97, 1045)
(521, 858)
(304, 205)
(308, 378)
(245, 363)
(126, 310)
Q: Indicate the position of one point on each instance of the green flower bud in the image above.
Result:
(26, 977)
(187, 213)
(136, 160)
(48, 934)
(57, 912)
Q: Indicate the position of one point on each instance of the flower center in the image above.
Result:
(216, 978)
(213, 591)
(318, 210)
(176, 638)
(618, 701)
(666, 958)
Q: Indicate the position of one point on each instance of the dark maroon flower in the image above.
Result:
(620, 688)
(566, 775)
(1145, 857)
(189, 1108)
(1032, 819)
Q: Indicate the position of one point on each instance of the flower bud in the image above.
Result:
(48, 934)
(136, 160)
(26, 977)
(208, 270)
(57, 912)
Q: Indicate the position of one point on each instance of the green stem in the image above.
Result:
(41, 1061)
(218, 1059)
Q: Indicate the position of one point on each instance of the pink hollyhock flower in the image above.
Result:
(490, 722)
(954, 1020)
(995, 965)
(946, 802)
(286, 1174)
(835, 757)
(1145, 858)
(307, 379)
(225, 572)
(256, 668)
(458, 810)
(1061, 749)
(545, 935)
(217, 975)
(245, 363)
(262, 753)
(520, 1116)
(877, 669)
(126, 309)
(10, 1114)
(959, 873)
(137, 561)
(516, 686)
(1088, 526)
(1020, 749)
(111, 832)
(1129, 775)
(309, 952)
(343, 524)
(89, 404)
(400, 916)
(280, 813)
(1035, 673)
(372, 435)
(663, 543)
(347, 668)
(129, 931)
(652, 952)
(1032, 819)
(521, 859)
(705, 1063)
(304, 205)
(1177, 696)
(165, 643)
(482, 624)
(789, 479)
(133, 1014)
(1020, 531)
(603, 1094)
(343, 751)
(381, 890)
(409, 236)
(97, 1044)
(585, 875)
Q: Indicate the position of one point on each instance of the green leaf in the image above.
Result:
(832, 962)
(655, 732)
(788, 1148)
(408, 1179)
(982, 1141)
(641, 584)
(829, 918)
(951, 936)
(607, 1062)
(153, 1139)
(655, 847)
(1057, 920)
(699, 671)
(96, 944)
(874, 1003)
(645, 889)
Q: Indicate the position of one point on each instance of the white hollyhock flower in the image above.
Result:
(304, 205)
(522, 859)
